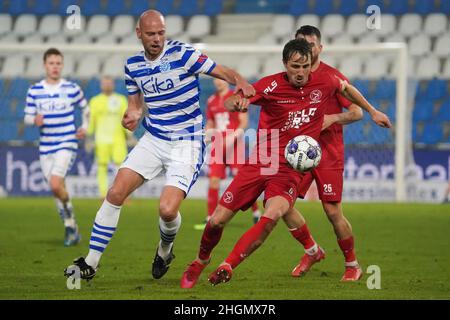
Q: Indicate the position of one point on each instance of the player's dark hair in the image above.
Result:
(300, 46)
(308, 30)
(52, 51)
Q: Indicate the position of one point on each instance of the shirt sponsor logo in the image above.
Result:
(270, 88)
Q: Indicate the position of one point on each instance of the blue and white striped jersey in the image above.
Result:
(57, 104)
(170, 87)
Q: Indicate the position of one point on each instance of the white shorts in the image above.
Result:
(181, 160)
(57, 164)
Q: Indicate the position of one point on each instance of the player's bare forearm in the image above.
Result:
(352, 94)
(353, 114)
(236, 103)
(133, 113)
(233, 78)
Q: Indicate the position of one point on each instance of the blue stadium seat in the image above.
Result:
(43, 7)
(8, 130)
(92, 88)
(444, 111)
(379, 135)
(349, 7)
(385, 89)
(91, 7)
(262, 6)
(138, 6)
(120, 86)
(379, 3)
(423, 111)
(62, 7)
(18, 7)
(354, 133)
(165, 7)
(398, 7)
(188, 8)
(445, 7)
(432, 133)
(115, 8)
(324, 7)
(436, 89)
(213, 7)
(30, 134)
(299, 7)
(19, 88)
(391, 112)
(424, 7)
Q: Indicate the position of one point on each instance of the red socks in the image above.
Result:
(250, 241)
(303, 236)
(255, 206)
(213, 200)
(210, 239)
(348, 249)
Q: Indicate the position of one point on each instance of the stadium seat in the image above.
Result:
(83, 38)
(354, 133)
(436, 89)
(444, 7)
(342, 39)
(175, 26)
(120, 86)
(398, 7)
(42, 8)
(115, 7)
(423, 110)
(385, 89)
(188, 8)
(62, 6)
(332, 25)
(432, 133)
(299, 7)
(19, 87)
(329, 59)
(308, 19)
(249, 67)
(424, 7)
(435, 24)
(325, 7)
(91, 8)
(108, 38)
(363, 86)
(25, 25)
(379, 135)
(268, 39)
(5, 24)
(428, 68)
(379, 3)
(137, 7)
(444, 111)
(410, 24)
(18, 7)
(282, 26)
(391, 111)
(166, 7)
(213, 7)
(92, 88)
(376, 67)
(419, 45)
(356, 25)
(198, 27)
(98, 25)
(388, 23)
(34, 68)
(74, 32)
(350, 7)
(351, 66)
(369, 38)
(88, 67)
(30, 134)
(123, 25)
(442, 46)
(446, 71)
(13, 66)
(272, 65)
(265, 6)
(113, 66)
(50, 25)
(34, 39)
(8, 130)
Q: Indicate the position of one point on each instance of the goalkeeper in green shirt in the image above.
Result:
(107, 110)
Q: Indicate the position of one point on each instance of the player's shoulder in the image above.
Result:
(37, 86)
(135, 58)
(68, 84)
(272, 81)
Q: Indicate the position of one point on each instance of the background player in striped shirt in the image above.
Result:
(165, 76)
(107, 110)
(227, 129)
(50, 105)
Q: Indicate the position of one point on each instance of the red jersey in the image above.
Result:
(331, 139)
(291, 111)
(216, 111)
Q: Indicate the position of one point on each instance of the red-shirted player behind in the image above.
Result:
(292, 103)
(229, 127)
(329, 174)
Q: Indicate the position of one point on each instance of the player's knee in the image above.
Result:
(220, 217)
(274, 213)
(167, 211)
(56, 186)
(116, 196)
(214, 183)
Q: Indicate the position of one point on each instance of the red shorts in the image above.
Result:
(329, 184)
(247, 186)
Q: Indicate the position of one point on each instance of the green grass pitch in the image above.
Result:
(409, 242)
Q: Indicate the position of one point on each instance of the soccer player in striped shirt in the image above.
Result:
(165, 76)
(50, 105)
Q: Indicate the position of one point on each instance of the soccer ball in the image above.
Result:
(303, 153)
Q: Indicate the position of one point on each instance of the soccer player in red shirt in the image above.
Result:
(293, 103)
(228, 128)
(329, 174)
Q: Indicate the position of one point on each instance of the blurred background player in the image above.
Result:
(107, 110)
(219, 119)
(50, 105)
(329, 174)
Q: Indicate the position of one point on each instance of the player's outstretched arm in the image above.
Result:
(234, 78)
(134, 112)
(353, 114)
(352, 94)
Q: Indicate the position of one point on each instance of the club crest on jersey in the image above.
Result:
(164, 66)
(228, 197)
(315, 96)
